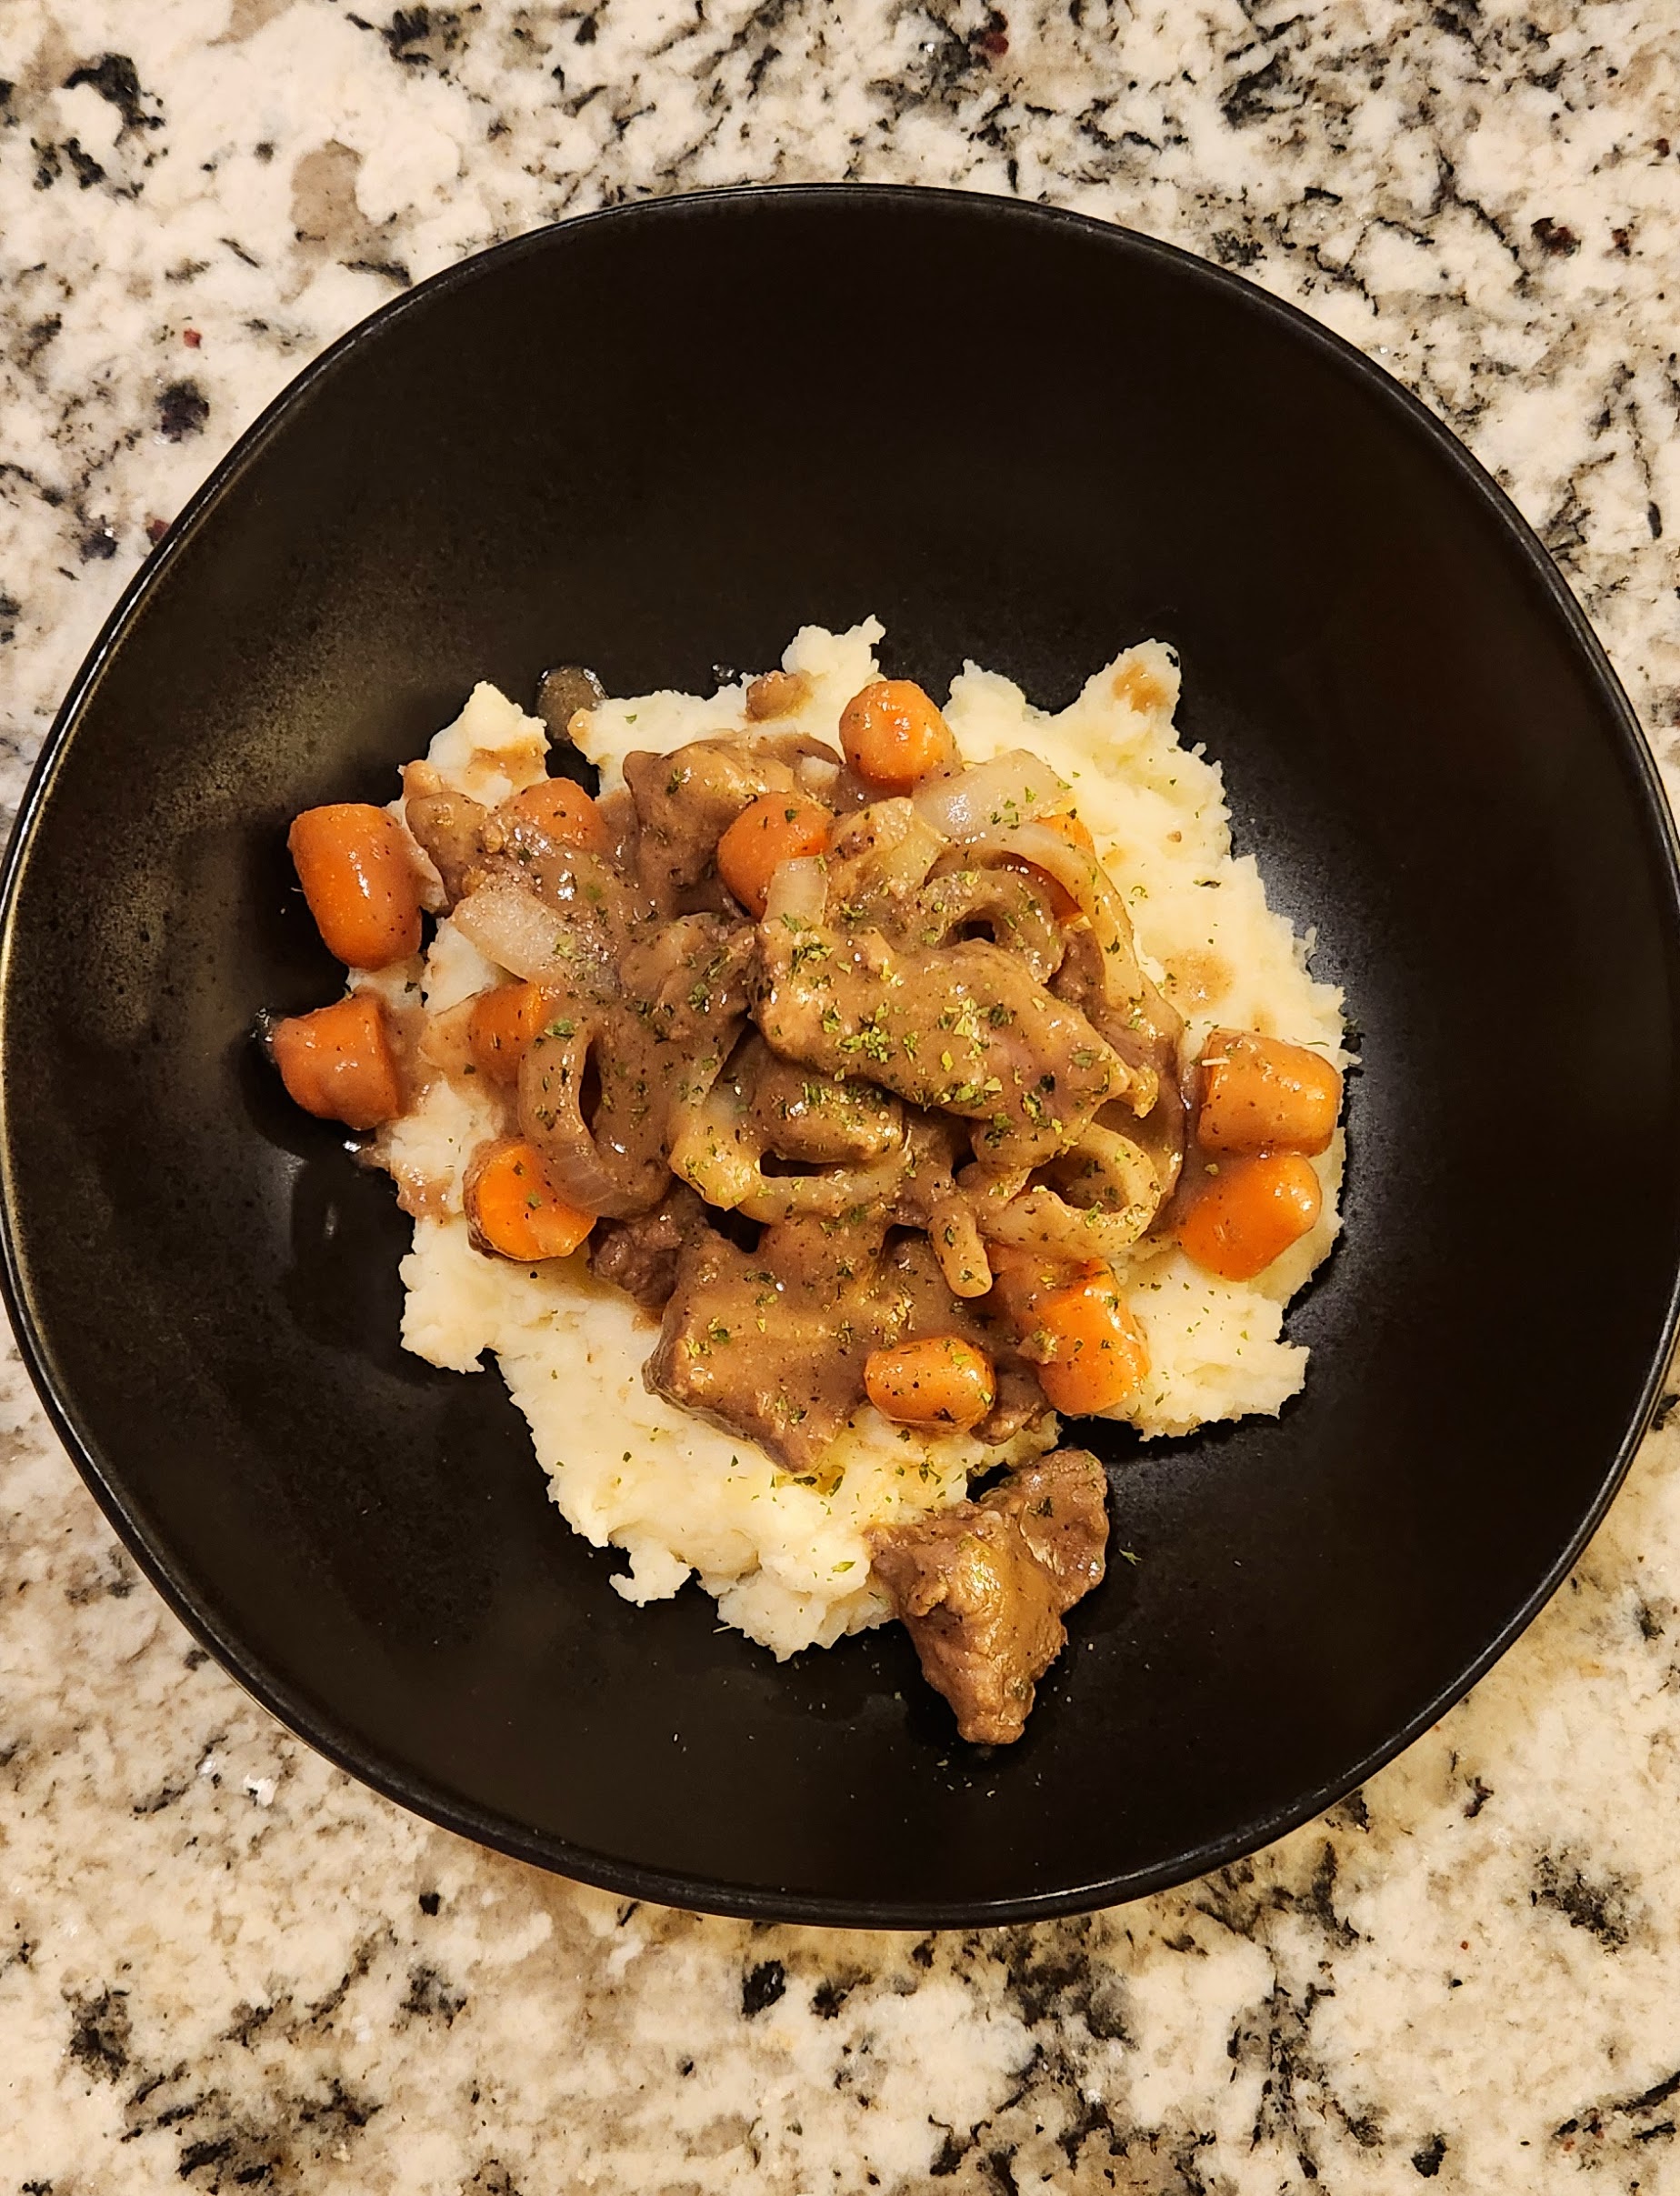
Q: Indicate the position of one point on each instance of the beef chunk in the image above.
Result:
(1020, 1399)
(777, 693)
(803, 1113)
(962, 1027)
(685, 801)
(982, 1586)
(450, 827)
(640, 1256)
(773, 1344)
(773, 1364)
(1060, 1503)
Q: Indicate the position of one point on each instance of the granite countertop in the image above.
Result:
(224, 1965)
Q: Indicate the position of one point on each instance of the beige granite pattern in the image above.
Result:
(224, 1966)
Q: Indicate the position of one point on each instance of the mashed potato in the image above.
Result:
(786, 1557)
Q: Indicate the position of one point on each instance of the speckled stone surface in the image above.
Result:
(224, 1966)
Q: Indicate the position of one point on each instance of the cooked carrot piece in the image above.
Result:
(1021, 1279)
(337, 1062)
(501, 1026)
(774, 828)
(361, 886)
(893, 735)
(1260, 1094)
(1098, 1354)
(513, 1209)
(1070, 828)
(1249, 1212)
(941, 1380)
(562, 811)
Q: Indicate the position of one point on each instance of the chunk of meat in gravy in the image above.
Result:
(961, 1027)
(469, 843)
(686, 800)
(623, 829)
(682, 1001)
(771, 1345)
(982, 1586)
(776, 693)
(641, 1255)
(450, 829)
(1020, 1401)
(808, 1117)
(772, 1364)
(1061, 1504)
(1147, 1038)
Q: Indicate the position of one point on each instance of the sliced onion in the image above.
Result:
(1119, 1172)
(1018, 917)
(1079, 872)
(713, 1147)
(884, 850)
(718, 1149)
(995, 1185)
(958, 1247)
(825, 1195)
(991, 797)
(905, 852)
(798, 893)
(574, 1164)
(1040, 1221)
(571, 1156)
(512, 928)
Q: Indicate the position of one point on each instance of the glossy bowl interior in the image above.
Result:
(660, 439)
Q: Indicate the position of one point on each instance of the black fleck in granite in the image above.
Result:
(223, 1966)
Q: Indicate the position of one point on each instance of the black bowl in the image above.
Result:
(666, 437)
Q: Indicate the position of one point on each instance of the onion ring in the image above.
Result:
(551, 1083)
(1038, 1219)
(510, 926)
(798, 893)
(991, 795)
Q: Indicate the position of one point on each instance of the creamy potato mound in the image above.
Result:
(784, 1555)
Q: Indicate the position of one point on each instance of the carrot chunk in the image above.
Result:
(893, 735)
(774, 828)
(941, 1380)
(1260, 1094)
(515, 1210)
(1098, 1356)
(337, 1062)
(1021, 1279)
(1249, 1212)
(502, 1025)
(354, 866)
(562, 812)
(1068, 827)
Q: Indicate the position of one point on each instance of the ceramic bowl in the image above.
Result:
(662, 438)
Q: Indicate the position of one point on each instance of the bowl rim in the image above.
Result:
(313, 1723)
